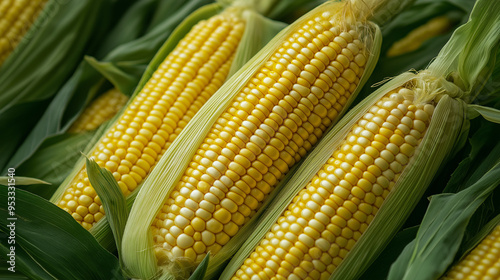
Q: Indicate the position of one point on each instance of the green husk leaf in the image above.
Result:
(21, 181)
(54, 240)
(442, 229)
(259, 30)
(126, 45)
(138, 242)
(199, 273)
(43, 61)
(489, 113)
(290, 10)
(416, 15)
(112, 199)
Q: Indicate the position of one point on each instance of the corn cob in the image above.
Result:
(330, 214)
(482, 263)
(411, 42)
(17, 16)
(361, 182)
(189, 75)
(99, 111)
(274, 121)
(298, 86)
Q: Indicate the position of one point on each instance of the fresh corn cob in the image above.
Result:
(355, 190)
(482, 263)
(185, 80)
(433, 28)
(17, 16)
(102, 109)
(274, 121)
(284, 100)
(330, 214)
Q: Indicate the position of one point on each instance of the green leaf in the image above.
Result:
(54, 240)
(112, 199)
(21, 181)
(200, 271)
(442, 230)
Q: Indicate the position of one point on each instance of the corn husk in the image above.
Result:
(455, 77)
(137, 241)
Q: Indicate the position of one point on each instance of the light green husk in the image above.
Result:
(456, 75)
(137, 241)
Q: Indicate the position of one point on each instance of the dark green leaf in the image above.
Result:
(55, 241)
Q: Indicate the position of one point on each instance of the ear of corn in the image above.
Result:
(254, 129)
(326, 212)
(102, 109)
(358, 186)
(180, 85)
(483, 262)
(17, 18)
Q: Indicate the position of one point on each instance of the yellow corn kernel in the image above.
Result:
(275, 119)
(482, 263)
(99, 111)
(187, 78)
(331, 213)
